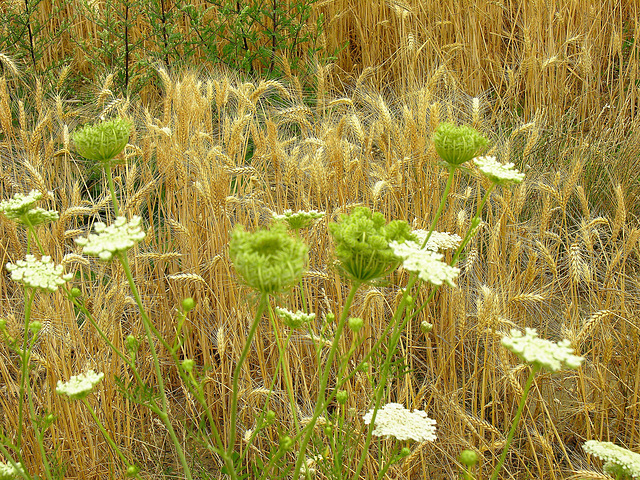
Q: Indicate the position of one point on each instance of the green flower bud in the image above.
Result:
(286, 443)
(341, 397)
(132, 471)
(409, 300)
(330, 318)
(426, 327)
(355, 324)
(270, 416)
(187, 365)
(457, 145)
(468, 458)
(132, 344)
(76, 292)
(405, 452)
(328, 430)
(364, 366)
(35, 327)
(362, 243)
(104, 141)
(268, 260)
(188, 304)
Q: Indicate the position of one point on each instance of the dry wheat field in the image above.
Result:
(555, 88)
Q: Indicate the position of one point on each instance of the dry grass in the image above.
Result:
(559, 252)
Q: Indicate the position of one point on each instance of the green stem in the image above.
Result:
(164, 416)
(285, 371)
(443, 200)
(321, 402)
(23, 474)
(106, 434)
(38, 433)
(24, 370)
(112, 189)
(31, 229)
(535, 368)
(395, 337)
(472, 228)
(264, 298)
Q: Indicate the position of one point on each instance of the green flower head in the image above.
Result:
(457, 145)
(104, 141)
(362, 243)
(269, 260)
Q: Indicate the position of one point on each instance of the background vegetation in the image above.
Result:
(223, 133)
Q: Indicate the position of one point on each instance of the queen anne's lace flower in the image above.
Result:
(104, 141)
(22, 209)
(294, 320)
(396, 421)
(438, 240)
(544, 353)
(108, 241)
(426, 263)
(8, 471)
(498, 173)
(41, 274)
(79, 386)
(457, 145)
(300, 219)
(616, 457)
(268, 260)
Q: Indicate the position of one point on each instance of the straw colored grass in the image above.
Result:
(558, 253)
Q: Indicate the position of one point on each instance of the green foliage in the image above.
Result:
(134, 36)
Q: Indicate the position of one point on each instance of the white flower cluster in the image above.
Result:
(615, 456)
(498, 173)
(300, 219)
(294, 320)
(426, 263)
(396, 421)
(20, 204)
(550, 355)
(119, 237)
(8, 471)
(22, 209)
(438, 240)
(79, 386)
(42, 274)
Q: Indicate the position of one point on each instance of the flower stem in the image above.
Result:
(24, 356)
(535, 368)
(264, 298)
(164, 416)
(112, 189)
(106, 434)
(443, 200)
(321, 402)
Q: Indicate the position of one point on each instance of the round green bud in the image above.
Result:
(102, 142)
(341, 397)
(286, 443)
(132, 471)
(76, 292)
(468, 458)
(405, 452)
(270, 416)
(364, 366)
(330, 318)
(132, 344)
(457, 145)
(188, 304)
(269, 260)
(426, 327)
(409, 300)
(355, 324)
(328, 430)
(35, 327)
(187, 365)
